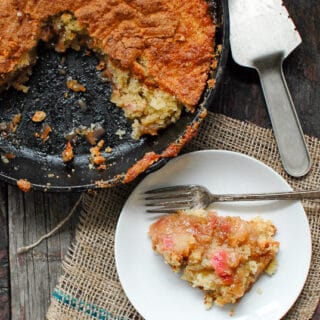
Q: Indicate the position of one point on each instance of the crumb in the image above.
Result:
(120, 133)
(82, 104)
(10, 156)
(90, 166)
(101, 66)
(62, 72)
(75, 86)
(67, 154)
(231, 312)
(108, 149)
(3, 126)
(13, 125)
(38, 116)
(7, 157)
(68, 175)
(259, 291)
(272, 267)
(211, 83)
(100, 143)
(21, 87)
(92, 134)
(90, 137)
(46, 129)
(96, 158)
(4, 159)
(66, 95)
(50, 175)
(24, 185)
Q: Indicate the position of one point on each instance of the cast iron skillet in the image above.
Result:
(41, 163)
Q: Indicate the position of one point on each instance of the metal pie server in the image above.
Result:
(262, 35)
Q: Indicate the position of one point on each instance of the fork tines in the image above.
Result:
(169, 199)
(178, 189)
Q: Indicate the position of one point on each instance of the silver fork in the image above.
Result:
(183, 197)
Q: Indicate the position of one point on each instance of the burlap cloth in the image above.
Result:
(89, 287)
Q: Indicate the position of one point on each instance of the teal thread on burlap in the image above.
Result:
(87, 308)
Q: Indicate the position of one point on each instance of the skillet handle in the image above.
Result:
(285, 123)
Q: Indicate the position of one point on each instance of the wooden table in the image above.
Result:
(27, 281)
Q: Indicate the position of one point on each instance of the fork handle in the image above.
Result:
(291, 195)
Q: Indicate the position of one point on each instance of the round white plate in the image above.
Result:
(157, 293)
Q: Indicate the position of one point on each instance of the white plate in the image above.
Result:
(157, 293)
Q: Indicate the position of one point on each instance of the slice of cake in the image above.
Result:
(222, 256)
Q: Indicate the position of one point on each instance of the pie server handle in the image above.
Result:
(286, 126)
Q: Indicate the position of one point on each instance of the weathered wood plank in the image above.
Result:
(3, 237)
(4, 304)
(33, 275)
(4, 268)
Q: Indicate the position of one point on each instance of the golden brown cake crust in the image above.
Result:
(167, 44)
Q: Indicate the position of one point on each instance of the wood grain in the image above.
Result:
(34, 275)
(4, 267)
(4, 304)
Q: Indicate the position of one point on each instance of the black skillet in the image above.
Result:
(41, 163)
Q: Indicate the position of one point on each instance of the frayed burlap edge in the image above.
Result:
(89, 287)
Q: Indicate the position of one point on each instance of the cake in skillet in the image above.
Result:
(156, 53)
(222, 256)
